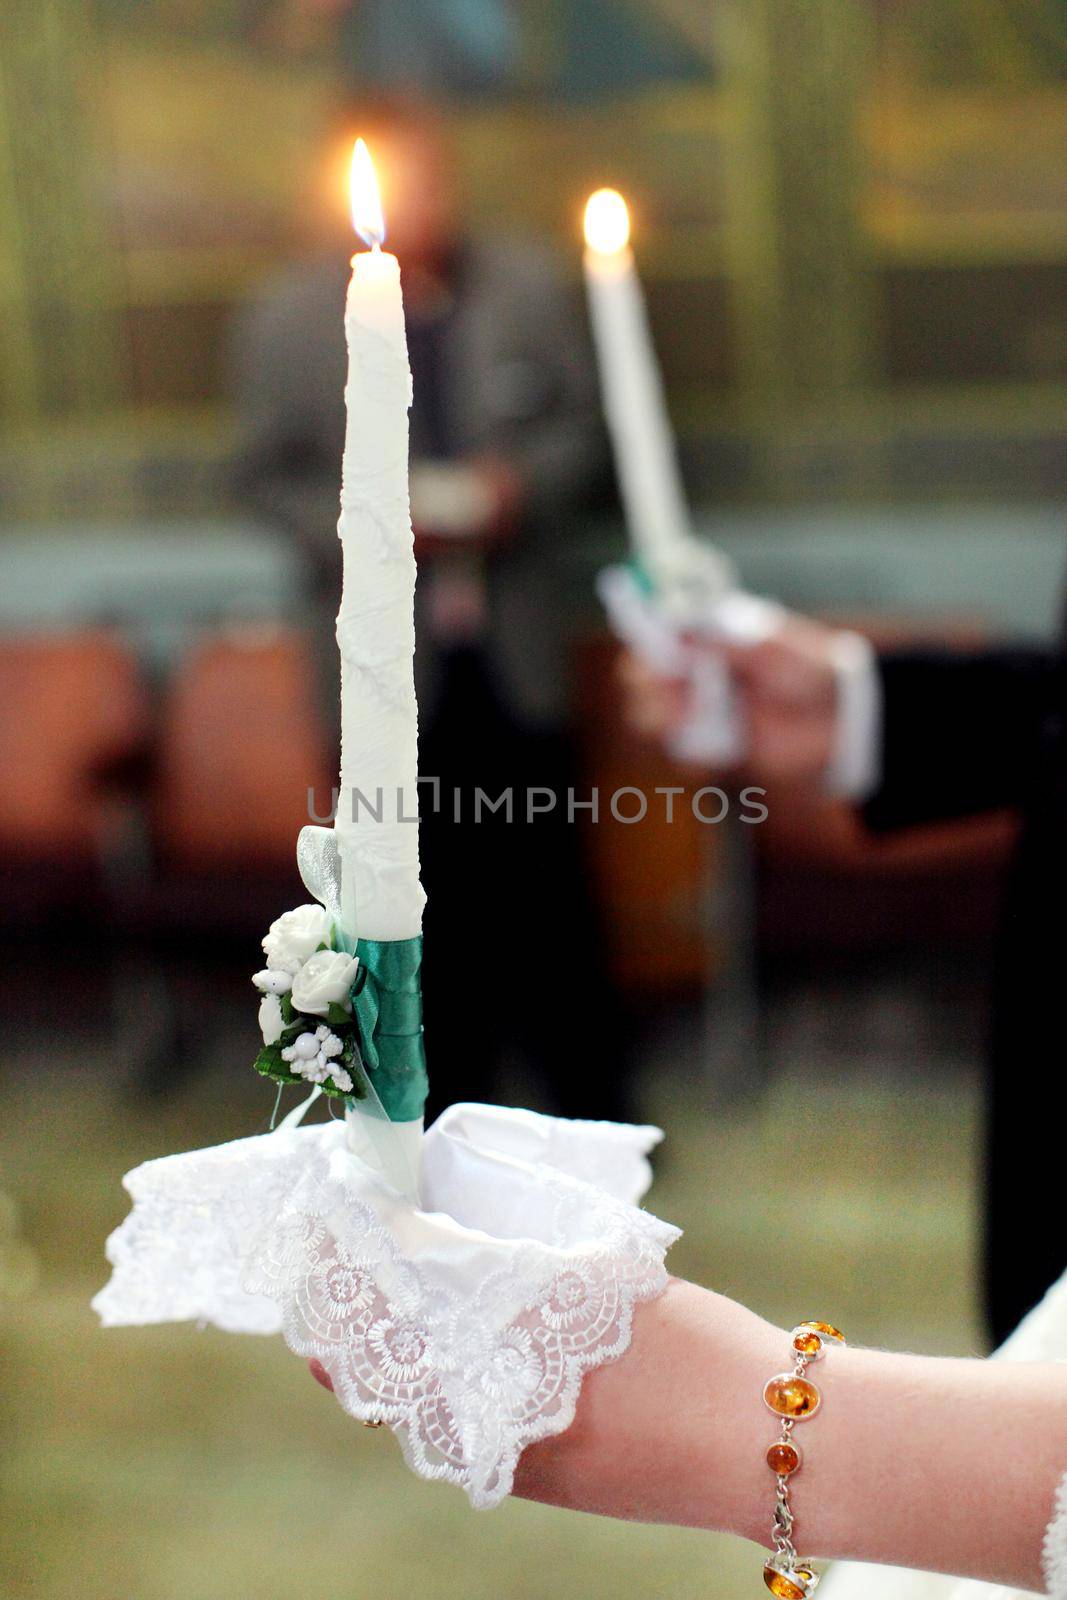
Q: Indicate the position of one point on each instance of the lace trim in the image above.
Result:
(1054, 1548)
(468, 1346)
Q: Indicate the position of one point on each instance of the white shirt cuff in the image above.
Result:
(854, 770)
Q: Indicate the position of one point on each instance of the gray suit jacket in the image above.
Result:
(518, 381)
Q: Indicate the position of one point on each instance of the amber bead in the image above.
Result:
(779, 1584)
(806, 1342)
(783, 1458)
(790, 1396)
(797, 1585)
(827, 1330)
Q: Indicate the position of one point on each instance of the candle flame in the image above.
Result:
(607, 222)
(367, 218)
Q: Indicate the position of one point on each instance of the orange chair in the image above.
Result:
(74, 715)
(240, 746)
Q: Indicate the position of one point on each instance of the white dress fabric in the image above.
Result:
(1055, 1550)
(466, 1322)
(1041, 1336)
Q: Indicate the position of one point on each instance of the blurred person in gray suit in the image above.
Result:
(506, 446)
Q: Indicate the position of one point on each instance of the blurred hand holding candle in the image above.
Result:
(689, 585)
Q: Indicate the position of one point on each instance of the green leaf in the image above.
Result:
(288, 1012)
(298, 1026)
(269, 1062)
(337, 1016)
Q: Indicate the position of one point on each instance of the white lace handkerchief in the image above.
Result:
(465, 1323)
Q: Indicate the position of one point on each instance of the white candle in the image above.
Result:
(378, 836)
(694, 582)
(634, 404)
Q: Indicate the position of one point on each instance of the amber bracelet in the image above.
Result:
(794, 1398)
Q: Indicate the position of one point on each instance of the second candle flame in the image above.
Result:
(607, 222)
(367, 218)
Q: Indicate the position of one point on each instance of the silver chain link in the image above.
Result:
(783, 1524)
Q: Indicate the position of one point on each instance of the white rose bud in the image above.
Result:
(295, 936)
(271, 1022)
(324, 980)
(273, 982)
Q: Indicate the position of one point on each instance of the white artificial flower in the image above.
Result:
(324, 980)
(295, 936)
(271, 1021)
(311, 1056)
(269, 982)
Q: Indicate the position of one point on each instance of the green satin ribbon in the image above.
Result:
(641, 576)
(387, 1005)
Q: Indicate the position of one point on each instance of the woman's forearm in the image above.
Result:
(669, 1433)
(916, 1461)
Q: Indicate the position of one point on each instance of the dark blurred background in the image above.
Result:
(851, 221)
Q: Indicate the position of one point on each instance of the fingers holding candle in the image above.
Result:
(787, 694)
(320, 1375)
(656, 705)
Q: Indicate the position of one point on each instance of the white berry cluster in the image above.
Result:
(311, 1055)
